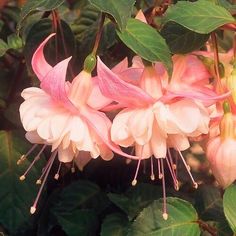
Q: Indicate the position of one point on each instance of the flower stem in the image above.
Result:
(211, 230)
(99, 34)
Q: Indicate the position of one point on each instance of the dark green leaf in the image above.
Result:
(181, 40)
(79, 222)
(229, 204)
(146, 42)
(62, 45)
(209, 203)
(16, 196)
(80, 194)
(181, 221)
(135, 198)
(201, 16)
(226, 4)
(114, 224)
(120, 10)
(40, 5)
(3, 47)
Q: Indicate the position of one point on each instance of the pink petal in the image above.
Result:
(102, 125)
(39, 64)
(54, 84)
(114, 88)
(140, 16)
(121, 66)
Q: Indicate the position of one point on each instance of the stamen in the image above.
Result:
(195, 184)
(56, 176)
(152, 172)
(159, 169)
(23, 157)
(73, 167)
(32, 163)
(164, 214)
(172, 172)
(134, 182)
(51, 160)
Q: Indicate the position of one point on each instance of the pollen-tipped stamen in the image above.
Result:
(32, 163)
(159, 169)
(51, 160)
(164, 214)
(134, 182)
(152, 171)
(195, 184)
(23, 157)
(73, 166)
(172, 172)
(57, 175)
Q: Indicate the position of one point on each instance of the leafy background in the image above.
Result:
(100, 200)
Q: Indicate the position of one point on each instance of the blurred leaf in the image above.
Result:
(182, 40)
(135, 199)
(114, 224)
(16, 196)
(120, 10)
(229, 204)
(181, 220)
(3, 47)
(40, 5)
(226, 4)
(80, 194)
(14, 41)
(201, 16)
(146, 42)
(79, 222)
(209, 203)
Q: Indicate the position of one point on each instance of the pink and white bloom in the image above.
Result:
(159, 114)
(63, 115)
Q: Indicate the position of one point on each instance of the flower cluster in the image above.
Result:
(156, 113)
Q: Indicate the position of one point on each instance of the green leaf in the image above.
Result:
(135, 199)
(120, 10)
(80, 194)
(40, 5)
(209, 203)
(3, 47)
(16, 196)
(201, 16)
(229, 204)
(146, 42)
(79, 222)
(181, 40)
(181, 220)
(14, 41)
(115, 224)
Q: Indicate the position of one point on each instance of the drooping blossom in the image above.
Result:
(158, 114)
(221, 151)
(62, 115)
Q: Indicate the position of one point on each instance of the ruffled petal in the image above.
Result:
(101, 125)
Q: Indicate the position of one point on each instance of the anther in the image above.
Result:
(32, 210)
(56, 176)
(165, 216)
(39, 181)
(22, 158)
(22, 178)
(195, 185)
(134, 182)
(152, 177)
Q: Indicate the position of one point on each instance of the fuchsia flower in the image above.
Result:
(58, 115)
(221, 152)
(158, 114)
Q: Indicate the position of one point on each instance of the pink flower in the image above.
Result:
(221, 152)
(58, 115)
(158, 115)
